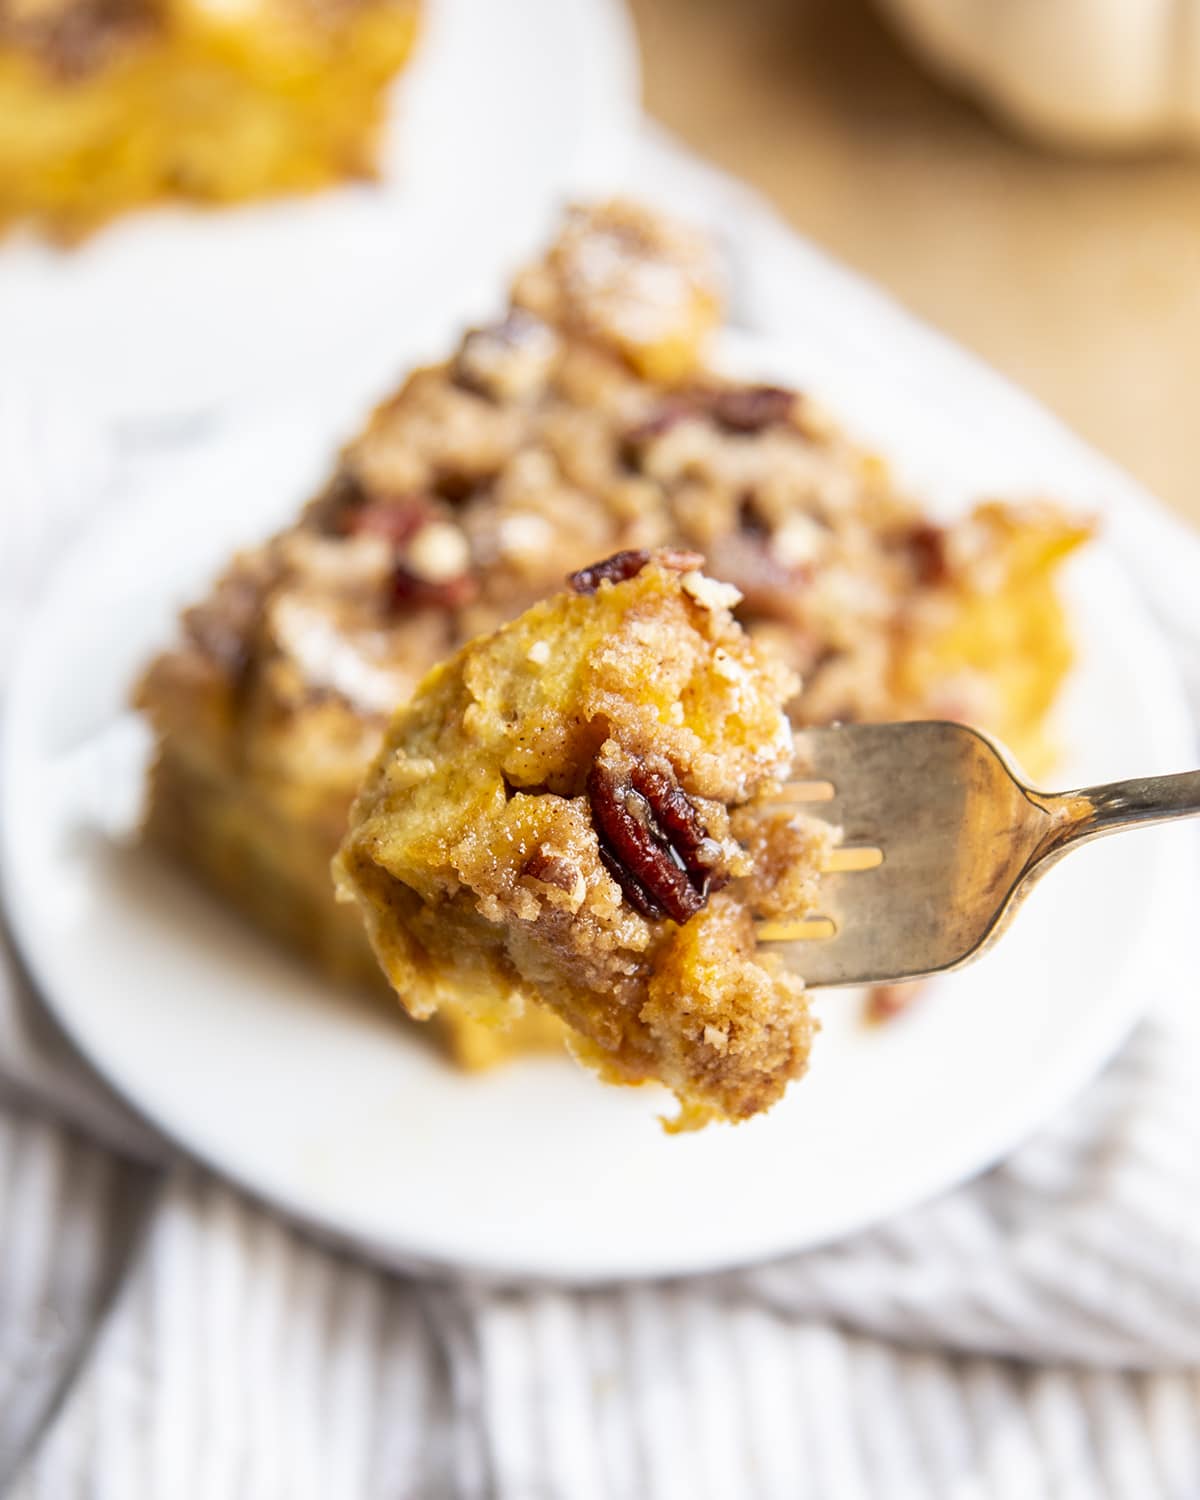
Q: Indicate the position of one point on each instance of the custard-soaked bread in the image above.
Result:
(110, 105)
(572, 811)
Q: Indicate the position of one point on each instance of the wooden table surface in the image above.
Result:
(1079, 278)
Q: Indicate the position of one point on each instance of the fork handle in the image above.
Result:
(1094, 811)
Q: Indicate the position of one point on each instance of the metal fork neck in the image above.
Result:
(1094, 811)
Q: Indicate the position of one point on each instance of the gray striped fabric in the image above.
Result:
(243, 1360)
(1034, 1334)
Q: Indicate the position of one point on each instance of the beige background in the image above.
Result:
(1079, 278)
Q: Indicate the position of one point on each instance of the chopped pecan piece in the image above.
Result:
(623, 565)
(395, 519)
(744, 411)
(751, 409)
(457, 486)
(432, 559)
(558, 872)
(614, 569)
(668, 414)
(926, 545)
(652, 840)
(507, 361)
(223, 627)
(333, 508)
(770, 589)
(410, 591)
(750, 520)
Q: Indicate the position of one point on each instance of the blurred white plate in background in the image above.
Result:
(507, 109)
(344, 1118)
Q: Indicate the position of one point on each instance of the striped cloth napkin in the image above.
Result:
(1035, 1333)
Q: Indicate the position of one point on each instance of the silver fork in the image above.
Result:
(941, 840)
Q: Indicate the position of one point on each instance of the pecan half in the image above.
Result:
(631, 887)
(623, 565)
(652, 839)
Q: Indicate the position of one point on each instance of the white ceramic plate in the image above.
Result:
(507, 109)
(346, 1120)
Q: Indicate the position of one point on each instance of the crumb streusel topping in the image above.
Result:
(482, 482)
